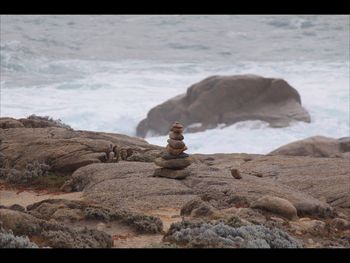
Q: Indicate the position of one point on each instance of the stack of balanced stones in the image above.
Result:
(174, 160)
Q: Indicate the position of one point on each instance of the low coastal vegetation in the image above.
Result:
(221, 235)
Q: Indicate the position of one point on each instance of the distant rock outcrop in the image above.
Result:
(316, 146)
(227, 100)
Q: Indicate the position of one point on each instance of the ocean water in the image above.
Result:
(104, 73)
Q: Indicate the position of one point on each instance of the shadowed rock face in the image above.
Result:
(227, 99)
(316, 146)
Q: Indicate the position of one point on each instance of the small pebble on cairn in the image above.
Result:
(174, 160)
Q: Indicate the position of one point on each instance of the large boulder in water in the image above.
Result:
(316, 146)
(227, 100)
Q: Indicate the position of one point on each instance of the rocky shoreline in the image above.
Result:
(296, 196)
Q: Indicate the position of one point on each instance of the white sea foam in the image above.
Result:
(195, 125)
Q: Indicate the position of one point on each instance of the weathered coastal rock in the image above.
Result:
(132, 184)
(326, 179)
(64, 149)
(129, 185)
(227, 99)
(276, 205)
(316, 146)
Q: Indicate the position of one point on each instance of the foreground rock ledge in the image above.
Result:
(227, 100)
(315, 186)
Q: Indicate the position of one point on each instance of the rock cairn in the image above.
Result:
(174, 160)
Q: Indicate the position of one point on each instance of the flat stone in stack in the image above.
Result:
(174, 160)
